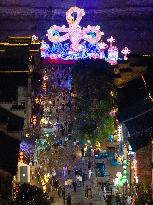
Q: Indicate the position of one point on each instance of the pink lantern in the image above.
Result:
(125, 52)
(102, 47)
(113, 55)
(111, 40)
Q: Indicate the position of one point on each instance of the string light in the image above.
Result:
(119, 130)
(145, 83)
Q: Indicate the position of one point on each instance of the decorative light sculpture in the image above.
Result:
(74, 42)
(34, 38)
(119, 132)
(45, 77)
(102, 47)
(91, 34)
(111, 40)
(125, 52)
(113, 55)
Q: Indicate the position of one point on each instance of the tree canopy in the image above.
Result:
(32, 195)
(92, 81)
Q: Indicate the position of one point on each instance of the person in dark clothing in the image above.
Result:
(83, 178)
(59, 191)
(82, 151)
(86, 191)
(74, 185)
(63, 194)
(56, 184)
(89, 164)
(109, 200)
(68, 199)
(118, 200)
(85, 174)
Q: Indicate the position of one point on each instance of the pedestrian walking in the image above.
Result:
(89, 164)
(56, 184)
(64, 170)
(86, 191)
(129, 200)
(83, 178)
(118, 200)
(59, 191)
(63, 193)
(68, 199)
(90, 193)
(74, 186)
(90, 173)
(109, 200)
(85, 174)
(82, 151)
(80, 180)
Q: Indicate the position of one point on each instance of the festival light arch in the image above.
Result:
(75, 42)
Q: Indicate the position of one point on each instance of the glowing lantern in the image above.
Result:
(118, 181)
(113, 55)
(97, 144)
(27, 135)
(37, 100)
(102, 47)
(34, 39)
(34, 120)
(21, 157)
(44, 86)
(111, 40)
(45, 77)
(78, 154)
(126, 51)
(44, 47)
(119, 174)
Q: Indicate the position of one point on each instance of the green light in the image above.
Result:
(124, 167)
(123, 180)
(125, 162)
(124, 177)
(118, 183)
(124, 171)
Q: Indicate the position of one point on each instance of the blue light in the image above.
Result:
(62, 51)
(92, 34)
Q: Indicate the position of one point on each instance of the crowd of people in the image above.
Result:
(72, 177)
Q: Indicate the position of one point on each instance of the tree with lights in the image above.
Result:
(144, 194)
(31, 195)
(93, 84)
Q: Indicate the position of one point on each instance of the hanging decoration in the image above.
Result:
(34, 120)
(74, 42)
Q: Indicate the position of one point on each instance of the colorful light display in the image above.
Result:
(75, 42)
(125, 51)
(119, 132)
(124, 171)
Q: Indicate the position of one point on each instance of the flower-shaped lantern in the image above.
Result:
(125, 52)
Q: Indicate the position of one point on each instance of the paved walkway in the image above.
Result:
(78, 198)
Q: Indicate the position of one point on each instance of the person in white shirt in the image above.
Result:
(90, 173)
